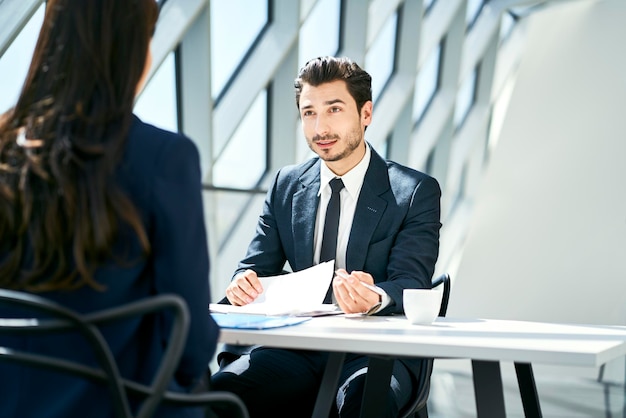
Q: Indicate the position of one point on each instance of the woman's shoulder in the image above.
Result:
(153, 145)
(152, 154)
(152, 137)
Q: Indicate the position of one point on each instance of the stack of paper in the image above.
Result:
(295, 294)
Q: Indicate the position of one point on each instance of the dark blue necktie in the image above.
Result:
(331, 227)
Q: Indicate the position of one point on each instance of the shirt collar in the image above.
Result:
(353, 179)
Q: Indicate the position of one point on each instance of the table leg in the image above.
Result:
(528, 390)
(488, 389)
(625, 389)
(376, 391)
(328, 386)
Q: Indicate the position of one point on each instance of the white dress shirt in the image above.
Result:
(353, 181)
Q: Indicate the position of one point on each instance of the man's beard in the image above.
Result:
(352, 142)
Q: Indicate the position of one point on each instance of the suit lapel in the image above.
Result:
(304, 211)
(369, 210)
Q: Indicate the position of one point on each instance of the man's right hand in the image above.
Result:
(244, 288)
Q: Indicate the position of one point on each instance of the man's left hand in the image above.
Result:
(351, 292)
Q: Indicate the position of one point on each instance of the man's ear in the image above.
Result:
(366, 113)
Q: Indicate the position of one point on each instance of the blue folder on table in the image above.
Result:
(252, 321)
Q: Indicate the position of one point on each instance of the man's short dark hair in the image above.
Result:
(327, 69)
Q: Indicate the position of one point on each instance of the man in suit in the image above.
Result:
(388, 237)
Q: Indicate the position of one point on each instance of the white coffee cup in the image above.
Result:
(421, 306)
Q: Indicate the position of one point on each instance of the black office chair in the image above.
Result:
(418, 407)
(59, 319)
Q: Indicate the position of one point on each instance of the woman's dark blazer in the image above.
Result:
(160, 172)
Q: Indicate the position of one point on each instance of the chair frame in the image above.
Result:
(418, 407)
(61, 319)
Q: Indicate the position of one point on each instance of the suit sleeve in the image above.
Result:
(180, 249)
(415, 249)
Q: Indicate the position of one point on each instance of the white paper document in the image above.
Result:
(299, 293)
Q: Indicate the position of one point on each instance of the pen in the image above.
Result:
(369, 286)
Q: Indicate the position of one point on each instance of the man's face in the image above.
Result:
(332, 125)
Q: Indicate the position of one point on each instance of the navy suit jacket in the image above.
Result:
(394, 236)
(160, 172)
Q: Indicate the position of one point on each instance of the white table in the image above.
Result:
(486, 342)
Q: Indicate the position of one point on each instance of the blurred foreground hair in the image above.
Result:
(61, 212)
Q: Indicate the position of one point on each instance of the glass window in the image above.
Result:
(473, 10)
(498, 111)
(315, 42)
(157, 103)
(430, 162)
(380, 59)
(426, 83)
(461, 191)
(226, 210)
(16, 59)
(465, 98)
(243, 162)
(506, 25)
(235, 25)
(428, 5)
(383, 149)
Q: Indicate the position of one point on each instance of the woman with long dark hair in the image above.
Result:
(96, 207)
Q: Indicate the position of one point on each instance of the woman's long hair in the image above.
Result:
(60, 209)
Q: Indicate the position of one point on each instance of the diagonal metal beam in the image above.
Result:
(14, 14)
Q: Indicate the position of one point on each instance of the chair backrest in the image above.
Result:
(444, 280)
(48, 317)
